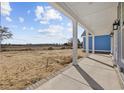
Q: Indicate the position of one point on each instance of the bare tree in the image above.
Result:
(4, 34)
(70, 42)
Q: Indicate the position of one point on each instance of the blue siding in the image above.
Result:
(90, 42)
(102, 42)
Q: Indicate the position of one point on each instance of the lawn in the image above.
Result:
(19, 69)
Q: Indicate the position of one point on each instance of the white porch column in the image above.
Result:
(0, 42)
(112, 45)
(115, 45)
(0, 45)
(74, 42)
(87, 43)
(93, 44)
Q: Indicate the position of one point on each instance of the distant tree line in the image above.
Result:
(70, 43)
(6, 34)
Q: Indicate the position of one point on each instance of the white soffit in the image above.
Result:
(97, 17)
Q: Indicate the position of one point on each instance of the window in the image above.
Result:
(123, 12)
(123, 43)
(119, 11)
(123, 31)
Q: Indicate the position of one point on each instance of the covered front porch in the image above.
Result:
(94, 72)
(96, 18)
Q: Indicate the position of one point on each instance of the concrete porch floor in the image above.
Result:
(95, 72)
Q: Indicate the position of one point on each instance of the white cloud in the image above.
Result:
(28, 11)
(47, 13)
(32, 28)
(53, 14)
(53, 32)
(69, 24)
(38, 12)
(52, 29)
(21, 19)
(44, 22)
(14, 26)
(62, 23)
(56, 36)
(24, 28)
(8, 19)
(69, 28)
(5, 8)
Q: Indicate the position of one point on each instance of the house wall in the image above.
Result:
(120, 38)
(102, 43)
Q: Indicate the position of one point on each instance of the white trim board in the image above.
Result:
(99, 50)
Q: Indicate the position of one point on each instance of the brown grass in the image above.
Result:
(19, 69)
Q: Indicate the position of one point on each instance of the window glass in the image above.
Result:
(123, 31)
(123, 43)
(123, 12)
(119, 11)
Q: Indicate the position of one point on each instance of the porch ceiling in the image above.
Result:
(96, 17)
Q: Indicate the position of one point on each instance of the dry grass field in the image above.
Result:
(19, 69)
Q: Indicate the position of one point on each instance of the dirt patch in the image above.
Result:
(19, 69)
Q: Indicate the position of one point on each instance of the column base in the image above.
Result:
(75, 64)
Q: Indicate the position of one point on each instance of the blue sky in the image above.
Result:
(36, 23)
